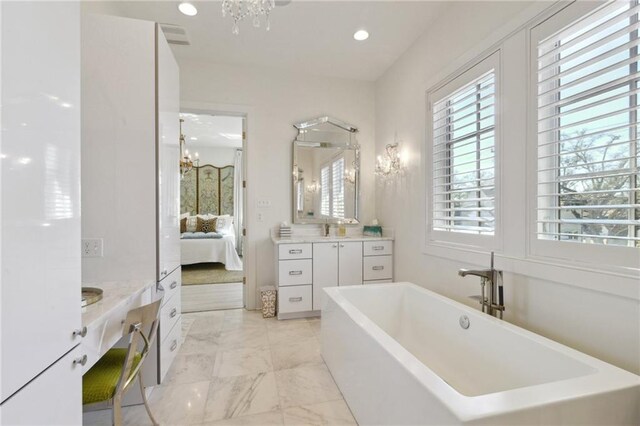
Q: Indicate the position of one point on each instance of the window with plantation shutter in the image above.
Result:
(325, 188)
(463, 127)
(337, 175)
(587, 82)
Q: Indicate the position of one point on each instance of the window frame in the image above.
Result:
(458, 240)
(609, 258)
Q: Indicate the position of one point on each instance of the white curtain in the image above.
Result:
(238, 207)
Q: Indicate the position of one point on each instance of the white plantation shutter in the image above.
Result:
(588, 184)
(325, 188)
(337, 210)
(464, 158)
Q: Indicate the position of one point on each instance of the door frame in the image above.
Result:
(249, 290)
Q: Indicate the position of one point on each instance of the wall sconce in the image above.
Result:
(389, 163)
(314, 187)
(350, 176)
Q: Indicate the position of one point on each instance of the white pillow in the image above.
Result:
(224, 224)
(183, 215)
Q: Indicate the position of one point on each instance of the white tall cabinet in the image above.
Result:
(40, 213)
(130, 173)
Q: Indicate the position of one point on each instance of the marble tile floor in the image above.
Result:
(237, 368)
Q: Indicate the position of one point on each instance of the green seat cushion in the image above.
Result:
(99, 383)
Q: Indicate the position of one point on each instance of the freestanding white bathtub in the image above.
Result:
(400, 356)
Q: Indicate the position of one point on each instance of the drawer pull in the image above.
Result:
(377, 248)
(378, 268)
(295, 251)
(341, 245)
(173, 285)
(81, 332)
(173, 313)
(334, 246)
(295, 299)
(164, 272)
(174, 345)
(82, 360)
(295, 272)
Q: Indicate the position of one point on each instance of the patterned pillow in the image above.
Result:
(205, 225)
(191, 224)
(183, 225)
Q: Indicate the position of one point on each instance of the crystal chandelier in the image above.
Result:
(241, 9)
(186, 162)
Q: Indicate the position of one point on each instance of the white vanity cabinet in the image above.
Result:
(39, 213)
(305, 268)
(43, 401)
(378, 262)
(335, 263)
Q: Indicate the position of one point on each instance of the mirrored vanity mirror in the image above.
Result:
(326, 178)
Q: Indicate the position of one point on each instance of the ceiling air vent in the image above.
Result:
(175, 34)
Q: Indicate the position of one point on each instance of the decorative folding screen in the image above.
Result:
(207, 190)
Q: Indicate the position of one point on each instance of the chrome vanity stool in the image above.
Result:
(109, 379)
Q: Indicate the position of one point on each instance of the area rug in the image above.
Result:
(209, 273)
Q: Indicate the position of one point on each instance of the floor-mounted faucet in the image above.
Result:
(492, 300)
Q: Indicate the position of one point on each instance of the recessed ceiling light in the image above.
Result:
(188, 9)
(361, 35)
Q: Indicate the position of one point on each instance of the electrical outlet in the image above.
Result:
(92, 247)
(260, 217)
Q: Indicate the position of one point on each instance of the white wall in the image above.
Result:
(218, 157)
(596, 322)
(276, 101)
(118, 147)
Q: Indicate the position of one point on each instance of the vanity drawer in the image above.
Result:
(169, 348)
(294, 251)
(378, 248)
(294, 272)
(169, 315)
(295, 299)
(171, 284)
(378, 268)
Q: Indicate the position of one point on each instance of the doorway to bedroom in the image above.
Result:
(212, 211)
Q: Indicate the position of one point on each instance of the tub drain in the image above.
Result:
(464, 322)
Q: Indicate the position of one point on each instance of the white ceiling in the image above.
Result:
(313, 37)
(211, 131)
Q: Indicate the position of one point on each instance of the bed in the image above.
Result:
(203, 250)
(197, 247)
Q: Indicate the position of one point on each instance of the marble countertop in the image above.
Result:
(298, 239)
(115, 294)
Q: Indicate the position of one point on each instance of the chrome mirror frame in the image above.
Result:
(350, 145)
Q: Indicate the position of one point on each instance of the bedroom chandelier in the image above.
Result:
(241, 9)
(186, 162)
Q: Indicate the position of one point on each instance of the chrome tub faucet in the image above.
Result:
(491, 299)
